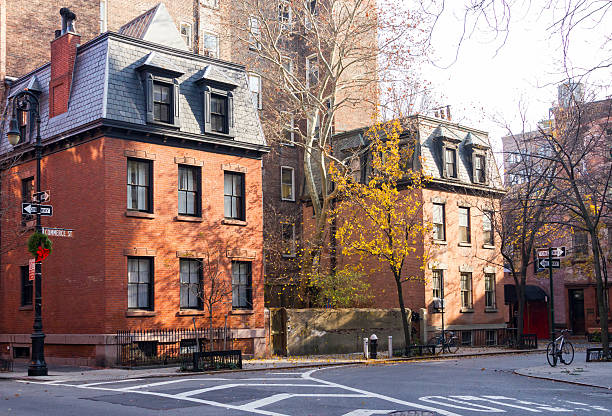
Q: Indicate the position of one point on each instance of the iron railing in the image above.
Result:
(6, 365)
(213, 360)
(158, 347)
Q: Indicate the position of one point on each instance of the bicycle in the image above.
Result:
(449, 344)
(560, 349)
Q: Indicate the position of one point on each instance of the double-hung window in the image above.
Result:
(234, 207)
(254, 33)
(189, 190)
(479, 169)
(218, 113)
(581, 243)
(242, 288)
(210, 44)
(438, 222)
(487, 228)
(218, 103)
(139, 185)
(490, 291)
(191, 283)
(162, 102)
(312, 71)
(466, 290)
(27, 193)
(436, 284)
(287, 184)
(27, 286)
(140, 283)
(284, 14)
(186, 33)
(464, 225)
(255, 88)
(288, 134)
(450, 162)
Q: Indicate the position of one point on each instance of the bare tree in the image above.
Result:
(351, 46)
(214, 289)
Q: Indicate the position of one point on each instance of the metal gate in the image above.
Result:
(278, 330)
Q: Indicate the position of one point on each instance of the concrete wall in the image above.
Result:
(338, 331)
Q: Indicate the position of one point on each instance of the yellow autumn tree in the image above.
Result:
(382, 218)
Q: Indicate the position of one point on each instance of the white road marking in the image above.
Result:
(472, 406)
(111, 382)
(490, 400)
(267, 400)
(541, 406)
(229, 386)
(368, 412)
(594, 407)
(161, 383)
(308, 375)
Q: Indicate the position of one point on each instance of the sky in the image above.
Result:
(492, 81)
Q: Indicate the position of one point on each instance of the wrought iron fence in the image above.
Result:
(6, 365)
(213, 360)
(158, 347)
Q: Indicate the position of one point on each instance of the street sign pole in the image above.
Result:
(551, 297)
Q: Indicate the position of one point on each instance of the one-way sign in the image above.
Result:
(28, 208)
(42, 196)
(555, 252)
(543, 263)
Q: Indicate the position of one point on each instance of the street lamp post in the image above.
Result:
(28, 101)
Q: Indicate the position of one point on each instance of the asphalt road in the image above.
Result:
(475, 386)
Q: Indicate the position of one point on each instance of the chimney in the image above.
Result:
(63, 57)
(448, 114)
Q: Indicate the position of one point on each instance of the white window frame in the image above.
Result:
(254, 35)
(285, 24)
(213, 4)
(308, 11)
(490, 277)
(290, 253)
(288, 68)
(254, 75)
(215, 53)
(291, 197)
(189, 41)
(290, 127)
(310, 68)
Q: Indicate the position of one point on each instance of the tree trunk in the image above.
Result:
(210, 323)
(520, 297)
(601, 294)
(400, 295)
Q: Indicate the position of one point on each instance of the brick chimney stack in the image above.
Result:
(63, 56)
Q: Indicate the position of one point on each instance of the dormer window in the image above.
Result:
(162, 91)
(450, 162)
(479, 169)
(218, 102)
(162, 102)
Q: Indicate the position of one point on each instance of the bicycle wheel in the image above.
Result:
(567, 353)
(551, 355)
(453, 345)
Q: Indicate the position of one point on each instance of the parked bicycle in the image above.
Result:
(560, 350)
(450, 343)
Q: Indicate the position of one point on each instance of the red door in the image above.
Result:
(535, 320)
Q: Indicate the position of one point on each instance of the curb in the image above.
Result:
(576, 383)
(313, 365)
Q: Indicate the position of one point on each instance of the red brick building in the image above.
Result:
(153, 157)
(460, 201)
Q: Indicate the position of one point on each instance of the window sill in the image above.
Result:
(229, 221)
(140, 214)
(187, 218)
(288, 256)
(241, 312)
(190, 312)
(463, 244)
(288, 200)
(139, 313)
(441, 242)
(467, 310)
(161, 123)
(488, 246)
(26, 308)
(491, 310)
(220, 134)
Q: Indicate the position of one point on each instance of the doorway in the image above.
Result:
(576, 310)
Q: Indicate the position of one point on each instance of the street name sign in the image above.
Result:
(27, 208)
(556, 252)
(555, 263)
(58, 232)
(42, 196)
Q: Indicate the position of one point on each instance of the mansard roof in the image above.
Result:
(107, 90)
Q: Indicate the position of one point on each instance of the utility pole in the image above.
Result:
(551, 297)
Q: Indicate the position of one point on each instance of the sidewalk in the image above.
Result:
(594, 374)
(76, 374)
